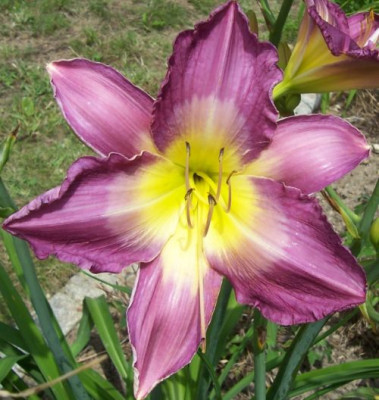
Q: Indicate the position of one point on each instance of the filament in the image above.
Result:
(189, 190)
(188, 153)
(187, 198)
(229, 205)
(219, 182)
(212, 202)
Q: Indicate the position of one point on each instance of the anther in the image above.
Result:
(229, 205)
(219, 182)
(212, 202)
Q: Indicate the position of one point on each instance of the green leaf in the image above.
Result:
(23, 265)
(32, 336)
(84, 332)
(120, 288)
(6, 364)
(14, 383)
(12, 335)
(293, 359)
(335, 375)
(6, 148)
(98, 387)
(362, 393)
(99, 311)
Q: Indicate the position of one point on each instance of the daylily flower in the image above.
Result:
(333, 52)
(201, 184)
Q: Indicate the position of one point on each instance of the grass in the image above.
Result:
(133, 36)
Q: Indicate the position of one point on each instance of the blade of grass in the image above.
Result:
(6, 365)
(32, 337)
(293, 359)
(20, 257)
(120, 288)
(366, 221)
(11, 335)
(84, 333)
(14, 382)
(212, 374)
(336, 374)
(98, 387)
(99, 311)
(236, 355)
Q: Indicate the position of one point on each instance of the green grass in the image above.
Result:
(133, 36)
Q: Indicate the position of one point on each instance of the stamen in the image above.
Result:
(189, 190)
(219, 182)
(212, 202)
(229, 191)
(188, 153)
(187, 198)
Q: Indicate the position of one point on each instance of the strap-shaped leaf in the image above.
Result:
(6, 364)
(334, 375)
(32, 337)
(23, 265)
(84, 332)
(101, 316)
(292, 360)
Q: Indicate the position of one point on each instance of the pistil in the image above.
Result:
(189, 190)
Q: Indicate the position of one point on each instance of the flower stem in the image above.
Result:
(259, 342)
(277, 30)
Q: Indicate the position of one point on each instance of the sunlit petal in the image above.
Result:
(217, 91)
(103, 108)
(310, 152)
(103, 217)
(165, 314)
(282, 256)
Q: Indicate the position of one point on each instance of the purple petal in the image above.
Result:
(332, 53)
(310, 152)
(333, 24)
(342, 35)
(103, 217)
(103, 108)
(284, 257)
(164, 318)
(217, 90)
(364, 29)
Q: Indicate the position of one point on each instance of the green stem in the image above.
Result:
(259, 355)
(276, 32)
(269, 16)
(337, 199)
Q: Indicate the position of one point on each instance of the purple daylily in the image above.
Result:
(333, 52)
(203, 183)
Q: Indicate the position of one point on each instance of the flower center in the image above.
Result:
(368, 36)
(204, 190)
